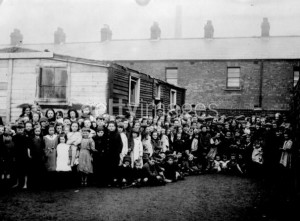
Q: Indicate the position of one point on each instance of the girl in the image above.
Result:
(26, 111)
(87, 124)
(51, 116)
(38, 156)
(286, 154)
(155, 141)
(59, 117)
(85, 166)
(73, 139)
(51, 141)
(35, 118)
(124, 141)
(63, 159)
(86, 110)
(137, 150)
(72, 115)
(59, 128)
(215, 144)
(6, 154)
(164, 141)
(29, 130)
(22, 155)
(147, 145)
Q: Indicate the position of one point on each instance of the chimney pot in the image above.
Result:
(155, 31)
(209, 30)
(106, 33)
(59, 36)
(265, 28)
(16, 38)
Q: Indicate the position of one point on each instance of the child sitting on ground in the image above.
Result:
(153, 174)
(137, 172)
(125, 172)
(216, 167)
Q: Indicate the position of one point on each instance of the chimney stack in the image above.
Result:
(178, 22)
(59, 36)
(106, 33)
(155, 31)
(265, 28)
(16, 38)
(208, 30)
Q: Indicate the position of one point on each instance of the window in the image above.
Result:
(53, 83)
(233, 78)
(157, 91)
(173, 97)
(134, 94)
(296, 76)
(172, 75)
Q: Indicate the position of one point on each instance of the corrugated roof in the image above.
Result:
(180, 49)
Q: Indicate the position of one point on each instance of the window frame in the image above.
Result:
(227, 79)
(137, 91)
(296, 69)
(175, 97)
(166, 75)
(157, 91)
(53, 101)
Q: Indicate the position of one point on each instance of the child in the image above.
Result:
(86, 110)
(99, 155)
(171, 170)
(124, 141)
(63, 159)
(137, 172)
(22, 155)
(164, 141)
(257, 159)
(87, 124)
(6, 155)
(38, 156)
(59, 117)
(224, 163)
(51, 141)
(73, 139)
(233, 166)
(178, 144)
(155, 140)
(147, 145)
(50, 114)
(153, 174)
(137, 149)
(73, 115)
(126, 172)
(85, 166)
(59, 128)
(216, 167)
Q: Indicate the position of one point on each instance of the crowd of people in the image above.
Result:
(44, 147)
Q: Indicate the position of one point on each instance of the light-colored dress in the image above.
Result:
(62, 157)
(85, 158)
(74, 139)
(137, 152)
(125, 147)
(50, 151)
(286, 155)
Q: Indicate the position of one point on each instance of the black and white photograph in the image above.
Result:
(143, 110)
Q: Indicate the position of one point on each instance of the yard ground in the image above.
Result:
(205, 197)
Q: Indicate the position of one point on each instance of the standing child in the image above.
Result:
(6, 154)
(22, 155)
(137, 150)
(73, 139)
(38, 156)
(63, 157)
(51, 141)
(85, 166)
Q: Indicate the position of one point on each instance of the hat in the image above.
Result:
(85, 116)
(100, 128)
(127, 159)
(44, 119)
(241, 117)
(85, 129)
(20, 125)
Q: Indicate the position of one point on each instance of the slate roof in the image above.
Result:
(242, 48)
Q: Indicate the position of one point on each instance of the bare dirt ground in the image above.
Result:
(205, 197)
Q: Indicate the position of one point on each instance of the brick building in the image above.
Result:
(241, 74)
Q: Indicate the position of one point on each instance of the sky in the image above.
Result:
(83, 19)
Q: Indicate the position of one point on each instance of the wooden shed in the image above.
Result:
(63, 82)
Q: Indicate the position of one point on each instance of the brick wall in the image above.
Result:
(205, 82)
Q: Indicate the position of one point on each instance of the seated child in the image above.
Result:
(171, 170)
(152, 174)
(224, 163)
(232, 165)
(125, 172)
(241, 164)
(216, 167)
(137, 172)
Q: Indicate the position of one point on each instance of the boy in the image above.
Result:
(153, 175)
(126, 173)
